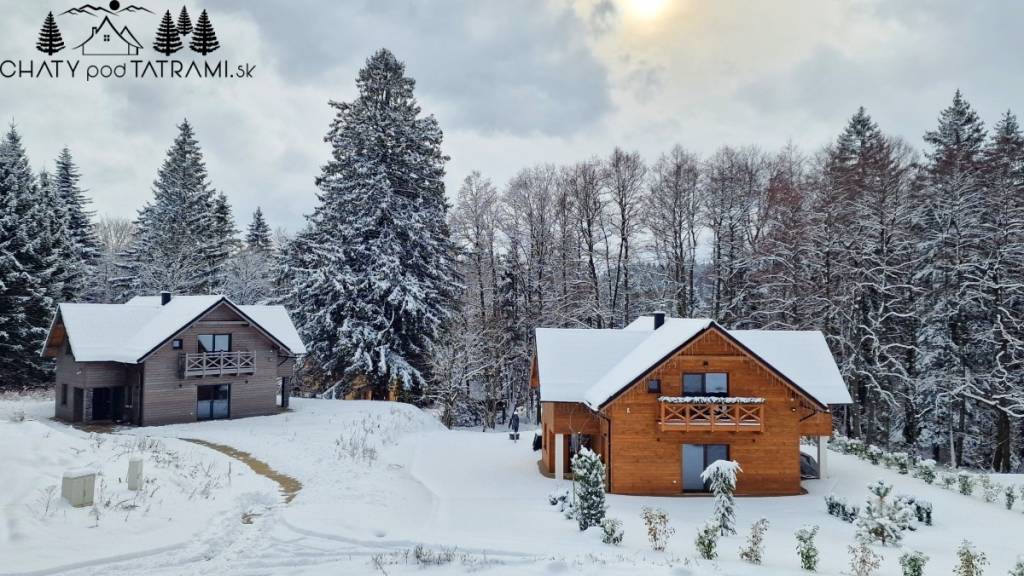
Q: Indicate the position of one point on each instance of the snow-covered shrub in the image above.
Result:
(1018, 568)
(923, 511)
(611, 531)
(948, 480)
(900, 461)
(16, 416)
(1009, 496)
(554, 498)
(721, 476)
(884, 517)
(965, 482)
(990, 490)
(863, 560)
(806, 549)
(658, 530)
(971, 562)
(753, 550)
(707, 540)
(874, 454)
(838, 507)
(925, 470)
(588, 470)
(427, 557)
(913, 563)
(856, 447)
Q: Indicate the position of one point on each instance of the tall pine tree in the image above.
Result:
(185, 234)
(372, 275)
(50, 41)
(204, 40)
(84, 245)
(168, 40)
(258, 237)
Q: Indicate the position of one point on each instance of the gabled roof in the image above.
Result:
(132, 331)
(124, 34)
(593, 366)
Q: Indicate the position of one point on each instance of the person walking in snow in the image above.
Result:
(513, 425)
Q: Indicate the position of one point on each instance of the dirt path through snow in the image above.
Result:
(289, 486)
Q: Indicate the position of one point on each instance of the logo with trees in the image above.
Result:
(110, 40)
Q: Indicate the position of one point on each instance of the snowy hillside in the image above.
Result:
(386, 490)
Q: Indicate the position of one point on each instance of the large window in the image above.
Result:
(214, 343)
(696, 458)
(709, 384)
(213, 402)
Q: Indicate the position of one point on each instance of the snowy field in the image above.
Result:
(380, 479)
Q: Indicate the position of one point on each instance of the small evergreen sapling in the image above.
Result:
(753, 551)
(900, 461)
(658, 530)
(884, 517)
(1018, 568)
(948, 480)
(913, 563)
(863, 560)
(989, 489)
(806, 549)
(611, 531)
(588, 470)
(925, 470)
(707, 540)
(721, 475)
(874, 454)
(1010, 496)
(965, 482)
(972, 562)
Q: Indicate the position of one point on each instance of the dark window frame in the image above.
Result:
(704, 384)
(63, 394)
(214, 337)
(177, 344)
(704, 447)
(654, 386)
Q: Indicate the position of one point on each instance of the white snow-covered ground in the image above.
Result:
(380, 478)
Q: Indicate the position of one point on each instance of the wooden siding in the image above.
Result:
(647, 460)
(168, 398)
(568, 418)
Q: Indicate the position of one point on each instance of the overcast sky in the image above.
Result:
(512, 82)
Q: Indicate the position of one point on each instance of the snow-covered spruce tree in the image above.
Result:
(721, 476)
(970, 561)
(863, 560)
(611, 531)
(913, 563)
(258, 237)
(84, 244)
(950, 236)
(30, 268)
(884, 517)
(184, 234)
(706, 542)
(806, 549)
(588, 472)
(753, 550)
(1018, 568)
(372, 281)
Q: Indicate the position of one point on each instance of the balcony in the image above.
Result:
(709, 414)
(218, 364)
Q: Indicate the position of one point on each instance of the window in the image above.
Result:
(696, 458)
(176, 343)
(106, 37)
(654, 386)
(63, 394)
(214, 343)
(213, 402)
(710, 384)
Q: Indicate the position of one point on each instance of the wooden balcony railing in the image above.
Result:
(218, 364)
(677, 414)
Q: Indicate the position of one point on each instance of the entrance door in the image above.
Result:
(101, 404)
(77, 405)
(213, 402)
(696, 458)
(117, 403)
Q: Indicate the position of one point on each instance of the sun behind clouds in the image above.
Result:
(646, 9)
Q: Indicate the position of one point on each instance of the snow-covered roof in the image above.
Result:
(592, 366)
(129, 332)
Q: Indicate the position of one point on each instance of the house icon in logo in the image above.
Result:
(106, 40)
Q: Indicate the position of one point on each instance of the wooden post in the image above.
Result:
(822, 457)
(559, 456)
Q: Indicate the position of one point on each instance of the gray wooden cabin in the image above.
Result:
(171, 359)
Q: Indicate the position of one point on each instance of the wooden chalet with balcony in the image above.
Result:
(170, 359)
(663, 398)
